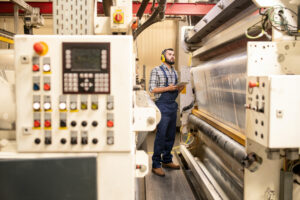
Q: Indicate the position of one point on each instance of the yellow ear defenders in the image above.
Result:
(163, 59)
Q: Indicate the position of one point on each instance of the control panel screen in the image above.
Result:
(86, 68)
(85, 59)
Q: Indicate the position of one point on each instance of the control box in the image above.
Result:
(273, 110)
(74, 93)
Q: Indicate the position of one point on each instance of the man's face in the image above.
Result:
(170, 57)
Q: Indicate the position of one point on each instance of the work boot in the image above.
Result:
(170, 165)
(158, 171)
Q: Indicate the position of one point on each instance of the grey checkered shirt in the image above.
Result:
(157, 78)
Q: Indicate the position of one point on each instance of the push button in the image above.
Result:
(46, 68)
(37, 123)
(36, 87)
(41, 48)
(47, 106)
(46, 86)
(35, 68)
(36, 106)
(63, 123)
(47, 123)
(110, 123)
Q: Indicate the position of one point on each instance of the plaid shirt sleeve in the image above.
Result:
(154, 79)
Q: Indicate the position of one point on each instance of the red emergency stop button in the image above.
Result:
(118, 17)
(46, 86)
(35, 68)
(36, 123)
(110, 123)
(40, 48)
(47, 123)
(253, 84)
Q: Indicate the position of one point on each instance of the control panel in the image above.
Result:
(273, 110)
(74, 93)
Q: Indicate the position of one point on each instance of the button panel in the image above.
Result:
(68, 102)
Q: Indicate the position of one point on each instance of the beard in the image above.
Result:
(170, 62)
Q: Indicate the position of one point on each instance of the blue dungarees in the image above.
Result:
(166, 129)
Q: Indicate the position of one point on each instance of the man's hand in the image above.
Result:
(165, 89)
(172, 87)
(180, 88)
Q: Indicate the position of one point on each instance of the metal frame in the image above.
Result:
(208, 186)
(222, 12)
(171, 8)
(230, 132)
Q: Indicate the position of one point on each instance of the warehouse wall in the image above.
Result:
(151, 42)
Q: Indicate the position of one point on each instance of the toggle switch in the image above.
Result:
(73, 140)
(73, 137)
(48, 140)
(84, 140)
(84, 137)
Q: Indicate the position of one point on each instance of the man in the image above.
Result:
(163, 82)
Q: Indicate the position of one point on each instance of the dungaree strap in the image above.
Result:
(167, 82)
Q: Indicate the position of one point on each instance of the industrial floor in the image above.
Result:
(174, 186)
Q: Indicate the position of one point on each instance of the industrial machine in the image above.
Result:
(74, 94)
(244, 123)
(73, 110)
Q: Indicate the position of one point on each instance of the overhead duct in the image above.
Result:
(158, 15)
(106, 7)
(142, 9)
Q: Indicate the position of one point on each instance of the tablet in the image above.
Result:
(181, 84)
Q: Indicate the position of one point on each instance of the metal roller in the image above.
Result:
(228, 181)
(231, 147)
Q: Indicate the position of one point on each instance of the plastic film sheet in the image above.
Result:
(220, 88)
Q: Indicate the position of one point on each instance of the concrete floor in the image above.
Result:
(173, 186)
